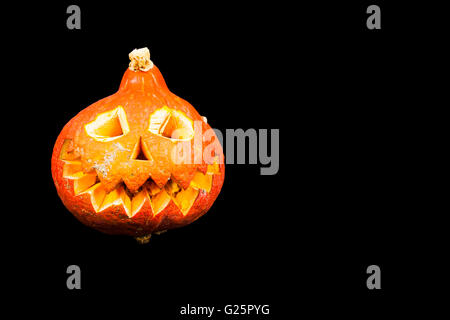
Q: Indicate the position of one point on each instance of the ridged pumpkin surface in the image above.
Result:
(116, 165)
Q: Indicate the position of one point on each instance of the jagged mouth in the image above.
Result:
(132, 201)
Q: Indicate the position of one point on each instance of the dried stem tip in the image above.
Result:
(143, 239)
(140, 60)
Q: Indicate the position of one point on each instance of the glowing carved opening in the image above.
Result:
(108, 126)
(171, 124)
(141, 151)
(202, 181)
(67, 152)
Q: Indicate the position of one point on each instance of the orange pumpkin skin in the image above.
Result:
(106, 187)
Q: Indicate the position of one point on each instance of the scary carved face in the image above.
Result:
(140, 161)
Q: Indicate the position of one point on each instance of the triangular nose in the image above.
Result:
(140, 151)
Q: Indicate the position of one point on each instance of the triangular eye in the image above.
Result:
(171, 124)
(109, 125)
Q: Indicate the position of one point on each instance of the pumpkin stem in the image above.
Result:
(140, 60)
(144, 239)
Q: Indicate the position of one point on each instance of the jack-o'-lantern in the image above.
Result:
(116, 165)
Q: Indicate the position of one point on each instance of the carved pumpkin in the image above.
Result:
(116, 164)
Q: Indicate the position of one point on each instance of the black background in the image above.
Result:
(344, 197)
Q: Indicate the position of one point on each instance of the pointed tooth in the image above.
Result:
(152, 188)
(160, 182)
(126, 201)
(112, 198)
(138, 201)
(202, 181)
(71, 168)
(160, 201)
(172, 187)
(138, 172)
(118, 197)
(97, 194)
(185, 199)
(183, 176)
(110, 183)
(82, 181)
